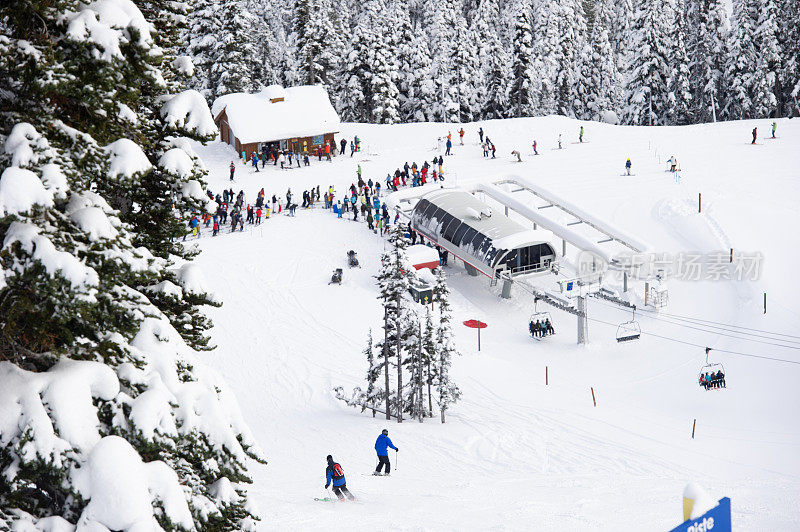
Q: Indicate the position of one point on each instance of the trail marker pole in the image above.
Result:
(545, 376)
(731, 254)
(593, 399)
(694, 424)
(765, 302)
(699, 202)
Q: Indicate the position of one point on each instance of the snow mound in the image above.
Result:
(703, 502)
(188, 110)
(94, 222)
(54, 179)
(127, 114)
(20, 143)
(20, 190)
(609, 117)
(168, 288)
(121, 489)
(56, 406)
(41, 249)
(184, 65)
(127, 159)
(177, 161)
(107, 23)
(223, 491)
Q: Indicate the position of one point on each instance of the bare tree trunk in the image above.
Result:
(418, 392)
(430, 398)
(386, 357)
(399, 368)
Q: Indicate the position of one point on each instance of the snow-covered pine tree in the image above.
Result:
(447, 391)
(112, 437)
(679, 88)
(374, 394)
(649, 69)
(558, 41)
(358, 105)
(748, 71)
(413, 59)
(315, 39)
(385, 102)
(439, 27)
(411, 347)
(493, 62)
(429, 358)
(522, 93)
(464, 72)
(599, 86)
(393, 284)
(707, 47)
(789, 74)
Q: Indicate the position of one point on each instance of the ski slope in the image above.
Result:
(516, 454)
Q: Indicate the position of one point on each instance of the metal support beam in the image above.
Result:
(470, 270)
(506, 294)
(576, 223)
(546, 206)
(506, 206)
(583, 322)
(624, 282)
(605, 240)
(563, 247)
(518, 190)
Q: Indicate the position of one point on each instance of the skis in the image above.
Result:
(325, 499)
(627, 175)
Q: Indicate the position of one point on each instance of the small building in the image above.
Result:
(299, 119)
(486, 241)
(421, 256)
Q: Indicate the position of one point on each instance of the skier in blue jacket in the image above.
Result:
(382, 445)
(334, 474)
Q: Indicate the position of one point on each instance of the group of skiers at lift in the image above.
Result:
(540, 329)
(286, 158)
(334, 474)
(712, 380)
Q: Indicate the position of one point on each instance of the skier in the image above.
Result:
(517, 155)
(628, 166)
(448, 145)
(382, 445)
(480, 134)
(774, 127)
(334, 474)
(461, 135)
(559, 141)
(534, 148)
(343, 142)
(580, 135)
(494, 149)
(755, 134)
(255, 161)
(673, 164)
(233, 169)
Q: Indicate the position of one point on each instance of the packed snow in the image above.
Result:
(515, 452)
(20, 190)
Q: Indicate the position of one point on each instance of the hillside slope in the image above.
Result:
(516, 453)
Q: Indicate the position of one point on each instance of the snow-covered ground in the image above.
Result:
(516, 454)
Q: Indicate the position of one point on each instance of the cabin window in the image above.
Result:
(451, 229)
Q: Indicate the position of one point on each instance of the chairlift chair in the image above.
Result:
(629, 330)
(711, 368)
(541, 318)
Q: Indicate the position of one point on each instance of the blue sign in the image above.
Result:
(717, 519)
(569, 286)
(319, 140)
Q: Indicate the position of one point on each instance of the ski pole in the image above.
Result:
(396, 460)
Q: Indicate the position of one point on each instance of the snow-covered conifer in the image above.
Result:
(447, 391)
(522, 93)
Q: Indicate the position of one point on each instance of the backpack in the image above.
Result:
(336, 472)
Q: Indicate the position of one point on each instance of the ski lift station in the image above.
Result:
(522, 237)
(488, 242)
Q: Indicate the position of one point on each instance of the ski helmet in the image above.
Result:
(385, 432)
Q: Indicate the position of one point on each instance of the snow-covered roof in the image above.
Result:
(420, 255)
(306, 111)
(504, 232)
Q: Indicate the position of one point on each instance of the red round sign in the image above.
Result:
(475, 324)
